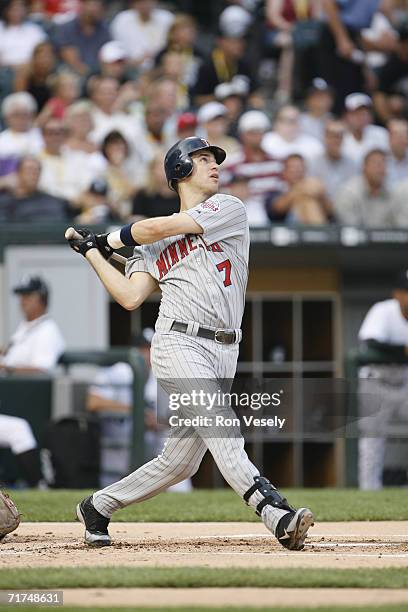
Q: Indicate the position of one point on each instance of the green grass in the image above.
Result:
(223, 505)
(197, 577)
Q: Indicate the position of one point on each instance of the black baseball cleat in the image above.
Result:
(292, 529)
(96, 525)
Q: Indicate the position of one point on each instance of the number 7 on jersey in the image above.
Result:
(226, 266)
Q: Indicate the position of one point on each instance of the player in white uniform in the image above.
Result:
(383, 388)
(199, 259)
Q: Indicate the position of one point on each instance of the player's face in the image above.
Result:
(205, 175)
(32, 305)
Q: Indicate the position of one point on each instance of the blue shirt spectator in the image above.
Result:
(357, 14)
(80, 39)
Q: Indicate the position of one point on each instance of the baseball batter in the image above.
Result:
(199, 259)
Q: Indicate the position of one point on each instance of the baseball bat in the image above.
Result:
(71, 233)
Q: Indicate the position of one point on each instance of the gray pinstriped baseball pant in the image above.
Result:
(177, 358)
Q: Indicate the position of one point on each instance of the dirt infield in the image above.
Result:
(232, 597)
(338, 545)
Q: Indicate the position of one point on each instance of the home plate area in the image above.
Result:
(339, 545)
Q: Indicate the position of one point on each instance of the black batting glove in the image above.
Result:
(84, 244)
(104, 248)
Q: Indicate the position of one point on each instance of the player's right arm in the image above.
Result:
(128, 292)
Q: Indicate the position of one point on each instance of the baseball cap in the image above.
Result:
(238, 86)
(99, 187)
(254, 120)
(112, 51)
(318, 85)
(186, 120)
(234, 22)
(357, 100)
(31, 284)
(210, 111)
(401, 280)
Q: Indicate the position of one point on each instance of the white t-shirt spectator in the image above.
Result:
(141, 38)
(17, 43)
(15, 145)
(333, 173)
(36, 344)
(307, 146)
(374, 137)
(65, 176)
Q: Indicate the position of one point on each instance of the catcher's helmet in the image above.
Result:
(178, 163)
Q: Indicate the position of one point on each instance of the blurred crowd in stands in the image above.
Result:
(308, 97)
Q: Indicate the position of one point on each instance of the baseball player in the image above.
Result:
(199, 259)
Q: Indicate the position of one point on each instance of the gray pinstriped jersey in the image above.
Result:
(203, 278)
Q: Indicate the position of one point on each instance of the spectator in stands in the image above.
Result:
(95, 205)
(35, 347)
(361, 134)
(165, 90)
(382, 387)
(33, 77)
(186, 125)
(262, 173)
(213, 122)
(120, 173)
(318, 104)
(156, 199)
(20, 136)
(226, 61)
(233, 95)
(340, 49)
(285, 34)
(18, 37)
(332, 166)
(65, 91)
(37, 343)
(287, 137)
(156, 131)
(181, 39)
(365, 200)
(64, 174)
(80, 39)
(79, 123)
(113, 61)
(142, 29)
(392, 76)
(397, 161)
(104, 92)
(25, 202)
(303, 200)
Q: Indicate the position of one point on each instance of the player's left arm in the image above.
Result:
(153, 230)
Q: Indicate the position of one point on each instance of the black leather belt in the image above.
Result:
(220, 336)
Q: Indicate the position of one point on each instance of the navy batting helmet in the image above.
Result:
(178, 164)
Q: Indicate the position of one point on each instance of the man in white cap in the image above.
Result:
(113, 61)
(263, 172)
(213, 122)
(361, 135)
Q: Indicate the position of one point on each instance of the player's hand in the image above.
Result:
(103, 246)
(85, 243)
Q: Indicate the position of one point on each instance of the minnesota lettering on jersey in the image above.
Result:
(179, 249)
